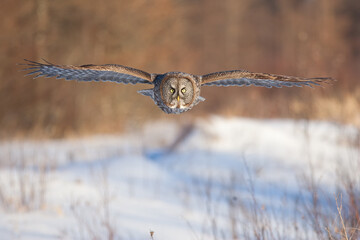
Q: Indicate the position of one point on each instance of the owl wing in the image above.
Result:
(245, 78)
(108, 72)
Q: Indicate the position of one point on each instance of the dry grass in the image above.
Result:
(24, 181)
(94, 218)
(312, 213)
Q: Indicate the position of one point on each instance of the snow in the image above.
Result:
(138, 185)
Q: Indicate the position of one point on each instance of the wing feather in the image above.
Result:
(245, 78)
(108, 72)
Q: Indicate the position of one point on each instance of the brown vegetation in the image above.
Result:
(311, 213)
(292, 37)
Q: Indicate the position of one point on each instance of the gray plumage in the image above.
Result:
(173, 92)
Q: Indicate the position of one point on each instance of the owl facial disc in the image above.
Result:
(177, 92)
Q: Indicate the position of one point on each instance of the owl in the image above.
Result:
(172, 92)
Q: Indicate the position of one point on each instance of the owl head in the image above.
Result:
(176, 92)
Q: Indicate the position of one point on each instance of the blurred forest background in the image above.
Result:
(307, 38)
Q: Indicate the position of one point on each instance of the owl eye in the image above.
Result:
(183, 90)
(172, 90)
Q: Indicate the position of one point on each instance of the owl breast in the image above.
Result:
(176, 92)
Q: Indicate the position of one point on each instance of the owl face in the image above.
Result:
(177, 93)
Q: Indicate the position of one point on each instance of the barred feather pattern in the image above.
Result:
(83, 73)
(259, 83)
(246, 78)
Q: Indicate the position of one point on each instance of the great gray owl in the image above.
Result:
(173, 92)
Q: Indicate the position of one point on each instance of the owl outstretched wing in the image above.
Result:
(245, 78)
(108, 72)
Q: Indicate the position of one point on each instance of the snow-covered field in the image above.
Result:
(206, 180)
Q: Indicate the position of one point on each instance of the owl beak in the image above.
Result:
(178, 98)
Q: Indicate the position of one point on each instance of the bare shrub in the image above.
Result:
(23, 181)
(250, 218)
(333, 216)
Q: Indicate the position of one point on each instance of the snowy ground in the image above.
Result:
(135, 183)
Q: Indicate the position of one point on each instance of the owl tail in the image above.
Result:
(147, 92)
